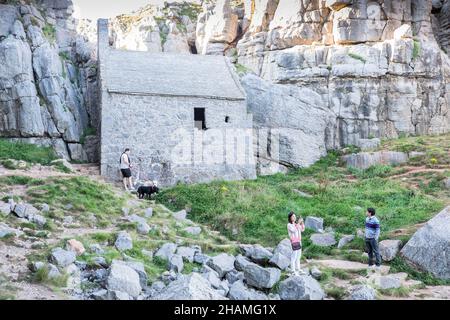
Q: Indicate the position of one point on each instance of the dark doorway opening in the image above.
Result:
(193, 48)
(227, 119)
(199, 118)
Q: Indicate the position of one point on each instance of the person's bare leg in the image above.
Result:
(124, 180)
(130, 179)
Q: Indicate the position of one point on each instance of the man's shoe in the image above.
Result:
(378, 269)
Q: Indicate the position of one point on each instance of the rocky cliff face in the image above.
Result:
(47, 78)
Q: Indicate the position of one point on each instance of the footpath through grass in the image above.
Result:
(255, 211)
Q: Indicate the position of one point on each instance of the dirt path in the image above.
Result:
(413, 170)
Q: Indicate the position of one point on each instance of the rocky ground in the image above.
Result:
(142, 250)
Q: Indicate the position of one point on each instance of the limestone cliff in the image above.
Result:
(47, 78)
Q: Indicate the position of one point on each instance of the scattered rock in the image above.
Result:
(314, 223)
(323, 239)
(118, 295)
(123, 278)
(186, 253)
(191, 287)
(95, 248)
(180, 215)
(5, 208)
(39, 220)
(301, 288)
(6, 231)
(148, 212)
(345, 240)
(68, 220)
(195, 231)
(257, 253)
(429, 247)
(234, 276)
(365, 160)
(125, 211)
(166, 251)
(23, 210)
(123, 241)
(45, 207)
(53, 271)
(75, 246)
(241, 262)
(201, 258)
(222, 264)
(212, 277)
(100, 262)
(261, 278)
(447, 183)
(62, 258)
(143, 228)
(361, 292)
(280, 261)
(316, 273)
(138, 267)
(101, 294)
(389, 249)
(147, 253)
(176, 263)
(385, 282)
(239, 291)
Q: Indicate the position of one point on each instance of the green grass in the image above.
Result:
(416, 49)
(241, 69)
(257, 209)
(26, 152)
(84, 194)
(396, 292)
(41, 276)
(89, 131)
(49, 32)
(336, 292)
(357, 57)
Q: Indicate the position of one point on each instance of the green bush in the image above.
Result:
(49, 32)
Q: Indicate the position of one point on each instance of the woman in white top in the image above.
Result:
(295, 230)
(125, 168)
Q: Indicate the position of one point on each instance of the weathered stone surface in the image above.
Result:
(261, 278)
(166, 251)
(258, 254)
(314, 223)
(386, 282)
(241, 262)
(148, 212)
(389, 249)
(180, 215)
(280, 261)
(176, 263)
(123, 241)
(365, 160)
(239, 291)
(323, 239)
(429, 247)
(123, 278)
(62, 258)
(75, 246)
(6, 231)
(192, 287)
(186, 253)
(5, 208)
(316, 273)
(222, 264)
(195, 231)
(143, 228)
(361, 292)
(234, 276)
(301, 288)
(24, 210)
(345, 240)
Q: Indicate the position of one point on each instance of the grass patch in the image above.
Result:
(336, 292)
(241, 69)
(379, 170)
(26, 152)
(257, 209)
(416, 49)
(41, 276)
(49, 32)
(89, 131)
(396, 292)
(357, 57)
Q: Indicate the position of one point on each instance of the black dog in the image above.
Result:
(142, 191)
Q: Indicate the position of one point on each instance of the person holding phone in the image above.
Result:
(295, 229)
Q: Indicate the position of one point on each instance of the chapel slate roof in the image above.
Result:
(138, 72)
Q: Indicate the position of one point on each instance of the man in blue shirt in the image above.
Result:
(372, 233)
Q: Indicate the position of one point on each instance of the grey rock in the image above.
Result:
(96, 248)
(100, 262)
(62, 258)
(53, 271)
(123, 278)
(180, 215)
(138, 267)
(241, 262)
(186, 253)
(176, 263)
(239, 291)
(143, 228)
(366, 144)
(36, 265)
(365, 160)
(68, 220)
(301, 288)
(223, 288)
(6, 231)
(316, 273)
(195, 231)
(314, 223)
(201, 258)
(212, 277)
(447, 183)
(389, 249)
(222, 264)
(361, 292)
(118, 295)
(345, 240)
(234, 276)
(280, 261)
(166, 251)
(123, 241)
(136, 218)
(23, 210)
(101, 294)
(323, 239)
(147, 253)
(148, 212)
(39, 220)
(5, 208)
(258, 254)
(191, 287)
(429, 247)
(261, 278)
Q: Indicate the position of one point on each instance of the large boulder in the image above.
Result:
(365, 160)
(314, 223)
(261, 278)
(389, 249)
(5, 208)
(192, 287)
(257, 253)
(123, 278)
(176, 263)
(345, 240)
(6, 231)
(222, 264)
(301, 288)
(241, 262)
(24, 210)
(187, 253)
(429, 247)
(166, 251)
(239, 291)
(282, 255)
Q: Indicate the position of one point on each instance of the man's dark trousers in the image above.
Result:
(372, 250)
